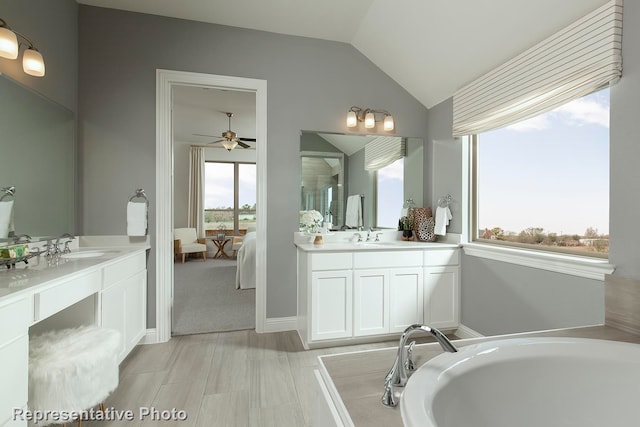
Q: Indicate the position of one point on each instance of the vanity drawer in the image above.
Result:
(384, 259)
(59, 297)
(15, 319)
(441, 257)
(331, 261)
(124, 269)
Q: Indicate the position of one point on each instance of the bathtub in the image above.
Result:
(527, 382)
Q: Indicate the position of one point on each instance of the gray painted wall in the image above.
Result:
(310, 85)
(500, 297)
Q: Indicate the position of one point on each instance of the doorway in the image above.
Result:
(214, 192)
(166, 81)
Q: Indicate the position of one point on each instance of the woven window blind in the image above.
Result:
(576, 61)
(382, 151)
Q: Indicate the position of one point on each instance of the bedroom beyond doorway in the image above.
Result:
(206, 299)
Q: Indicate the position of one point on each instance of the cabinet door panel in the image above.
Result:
(135, 312)
(441, 297)
(332, 304)
(113, 303)
(371, 306)
(406, 298)
(14, 377)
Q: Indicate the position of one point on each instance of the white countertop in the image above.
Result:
(42, 271)
(374, 246)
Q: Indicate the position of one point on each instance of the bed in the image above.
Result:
(246, 269)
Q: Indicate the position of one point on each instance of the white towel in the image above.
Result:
(443, 215)
(6, 218)
(136, 219)
(353, 215)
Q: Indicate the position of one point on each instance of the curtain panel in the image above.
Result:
(382, 151)
(578, 60)
(195, 211)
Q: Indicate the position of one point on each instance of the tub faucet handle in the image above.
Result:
(388, 399)
(408, 364)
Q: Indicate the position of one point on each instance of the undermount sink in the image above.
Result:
(527, 382)
(84, 254)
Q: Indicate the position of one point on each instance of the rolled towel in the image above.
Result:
(136, 219)
(6, 218)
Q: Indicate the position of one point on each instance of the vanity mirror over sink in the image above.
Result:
(333, 167)
(38, 162)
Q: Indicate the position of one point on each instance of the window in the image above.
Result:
(389, 194)
(544, 182)
(229, 197)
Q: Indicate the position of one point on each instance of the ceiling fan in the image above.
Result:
(230, 139)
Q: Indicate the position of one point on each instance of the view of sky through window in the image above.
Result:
(551, 171)
(390, 194)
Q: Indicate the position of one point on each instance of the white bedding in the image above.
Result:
(246, 269)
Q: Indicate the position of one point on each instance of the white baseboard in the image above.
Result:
(466, 332)
(151, 337)
(275, 324)
(281, 324)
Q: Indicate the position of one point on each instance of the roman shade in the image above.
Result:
(578, 60)
(382, 151)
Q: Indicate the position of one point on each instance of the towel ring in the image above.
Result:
(8, 192)
(445, 201)
(140, 194)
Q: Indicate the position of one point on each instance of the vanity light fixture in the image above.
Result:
(368, 116)
(32, 61)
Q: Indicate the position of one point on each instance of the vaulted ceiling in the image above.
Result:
(429, 47)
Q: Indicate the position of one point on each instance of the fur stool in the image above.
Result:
(72, 369)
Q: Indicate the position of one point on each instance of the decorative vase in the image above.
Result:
(318, 241)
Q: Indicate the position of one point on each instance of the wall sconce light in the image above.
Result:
(32, 61)
(368, 116)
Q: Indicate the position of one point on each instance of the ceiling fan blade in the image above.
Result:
(199, 134)
(247, 139)
(243, 145)
(215, 142)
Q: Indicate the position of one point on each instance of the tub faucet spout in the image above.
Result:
(397, 375)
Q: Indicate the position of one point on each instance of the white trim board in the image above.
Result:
(589, 268)
(165, 80)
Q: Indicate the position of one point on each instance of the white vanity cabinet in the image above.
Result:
(123, 300)
(109, 290)
(349, 295)
(442, 289)
(15, 318)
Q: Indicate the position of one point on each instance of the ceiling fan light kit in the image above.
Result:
(368, 116)
(230, 139)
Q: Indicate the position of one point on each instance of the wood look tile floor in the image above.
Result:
(230, 379)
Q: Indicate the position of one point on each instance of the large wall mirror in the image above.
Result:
(38, 159)
(332, 169)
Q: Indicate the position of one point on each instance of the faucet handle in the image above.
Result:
(388, 399)
(408, 363)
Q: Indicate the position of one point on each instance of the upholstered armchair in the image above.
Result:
(186, 242)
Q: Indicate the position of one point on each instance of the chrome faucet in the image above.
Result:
(397, 375)
(56, 245)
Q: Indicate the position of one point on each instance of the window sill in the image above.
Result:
(590, 268)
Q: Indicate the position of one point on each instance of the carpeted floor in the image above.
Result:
(205, 298)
